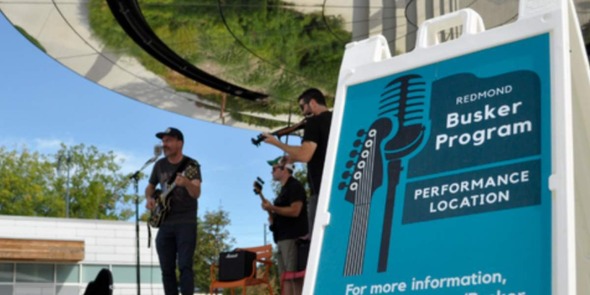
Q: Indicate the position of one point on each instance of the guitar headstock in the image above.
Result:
(364, 170)
(260, 138)
(258, 184)
(191, 171)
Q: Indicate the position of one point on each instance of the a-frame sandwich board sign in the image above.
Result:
(450, 169)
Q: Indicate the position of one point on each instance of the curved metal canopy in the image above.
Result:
(128, 14)
(235, 62)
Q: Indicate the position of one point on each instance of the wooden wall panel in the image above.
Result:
(41, 250)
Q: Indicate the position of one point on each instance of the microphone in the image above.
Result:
(157, 152)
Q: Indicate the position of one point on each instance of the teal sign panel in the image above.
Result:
(441, 179)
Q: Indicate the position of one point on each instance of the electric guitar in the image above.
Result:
(159, 212)
(258, 184)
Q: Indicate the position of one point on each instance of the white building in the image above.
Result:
(58, 256)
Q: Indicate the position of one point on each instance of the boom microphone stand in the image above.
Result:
(135, 177)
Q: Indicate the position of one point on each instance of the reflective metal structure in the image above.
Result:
(240, 63)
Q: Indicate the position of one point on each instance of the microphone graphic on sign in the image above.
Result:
(404, 99)
(402, 108)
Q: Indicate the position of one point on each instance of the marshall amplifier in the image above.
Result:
(235, 265)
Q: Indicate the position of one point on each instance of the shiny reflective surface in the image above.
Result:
(277, 48)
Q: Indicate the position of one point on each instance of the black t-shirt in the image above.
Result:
(183, 207)
(284, 227)
(317, 129)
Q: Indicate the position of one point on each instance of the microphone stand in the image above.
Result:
(135, 177)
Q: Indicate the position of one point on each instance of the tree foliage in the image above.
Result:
(212, 239)
(32, 184)
(26, 180)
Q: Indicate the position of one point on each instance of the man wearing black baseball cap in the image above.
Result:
(171, 131)
(174, 211)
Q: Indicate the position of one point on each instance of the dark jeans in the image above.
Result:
(173, 239)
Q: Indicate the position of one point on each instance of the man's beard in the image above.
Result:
(170, 152)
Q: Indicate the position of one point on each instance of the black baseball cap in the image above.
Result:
(171, 131)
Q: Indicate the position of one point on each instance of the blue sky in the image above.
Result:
(42, 104)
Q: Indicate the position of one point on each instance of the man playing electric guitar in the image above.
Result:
(164, 199)
(288, 220)
(177, 234)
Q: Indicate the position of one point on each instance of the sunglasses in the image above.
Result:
(302, 106)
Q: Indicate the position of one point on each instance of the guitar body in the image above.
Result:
(158, 214)
(162, 207)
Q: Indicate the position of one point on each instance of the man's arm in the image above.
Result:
(192, 186)
(301, 153)
(292, 210)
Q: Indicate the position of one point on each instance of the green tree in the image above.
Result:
(96, 188)
(212, 238)
(31, 184)
(26, 180)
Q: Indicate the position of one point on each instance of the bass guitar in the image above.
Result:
(159, 212)
(258, 184)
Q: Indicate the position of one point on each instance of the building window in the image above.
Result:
(127, 274)
(66, 290)
(67, 273)
(6, 289)
(6, 273)
(151, 275)
(89, 272)
(124, 274)
(34, 273)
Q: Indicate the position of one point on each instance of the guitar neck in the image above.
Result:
(262, 198)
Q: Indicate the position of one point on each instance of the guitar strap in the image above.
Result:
(180, 168)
